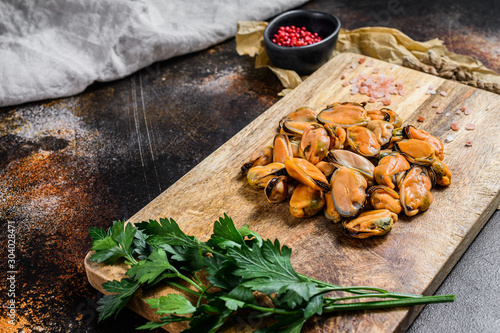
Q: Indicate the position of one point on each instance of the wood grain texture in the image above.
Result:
(414, 257)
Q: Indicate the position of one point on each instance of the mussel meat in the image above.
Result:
(362, 141)
(329, 209)
(416, 151)
(281, 148)
(306, 173)
(258, 176)
(351, 160)
(276, 189)
(383, 197)
(315, 143)
(344, 114)
(370, 223)
(337, 135)
(348, 191)
(389, 169)
(382, 130)
(386, 115)
(259, 158)
(412, 132)
(415, 191)
(306, 201)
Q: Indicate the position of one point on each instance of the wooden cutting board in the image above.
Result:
(414, 257)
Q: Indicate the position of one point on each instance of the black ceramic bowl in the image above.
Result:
(303, 59)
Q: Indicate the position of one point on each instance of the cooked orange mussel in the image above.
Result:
(389, 169)
(348, 191)
(325, 167)
(386, 115)
(339, 158)
(276, 189)
(416, 151)
(441, 172)
(344, 114)
(259, 158)
(329, 209)
(382, 131)
(281, 148)
(315, 143)
(415, 191)
(258, 176)
(412, 132)
(370, 223)
(295, 122)
(337, 135)
(362, 141)
(383, 197)
(306, 201)
(306, 173)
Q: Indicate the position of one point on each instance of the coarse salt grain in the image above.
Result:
(454, 126)
(463, 108)
(468, 143)
(342, 77)
(440, 111)
(470, 127)
(376, 70)
(487, 109)
(443, 93)
(447, 114)
(421, 118)
(345, 84)
(449, 138)
(362, 60)
(435, 105)
(431, 92)
(467, 112)
(370, 63)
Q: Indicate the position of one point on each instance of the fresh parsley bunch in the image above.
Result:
(238, 264)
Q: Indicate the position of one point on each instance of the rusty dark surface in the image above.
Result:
(82, 161)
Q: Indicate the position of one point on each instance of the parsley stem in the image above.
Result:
(272, 310)
(202, 295)
(378, 295)
(180, 286)
(389, 304)
(194, 284)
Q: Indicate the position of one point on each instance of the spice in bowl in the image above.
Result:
(293, 36)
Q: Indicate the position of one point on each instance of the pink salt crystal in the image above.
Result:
(354, 90)
(386, 101)
(463, 108)
(470, 127)
(370, 63)
(353, 65)
(372, 100)
(401, 92)
(431, 92)
(458, 112)
(376, 70)
(342, 77)
(435, 105)
(467, 112)
(440, 111)
(468, 143)
(487, 109)
(431, 87)
(362, 60)
(354, 80)
(392, 67)
(443, 93)
(421, 118)
(363, 90)
(345, 84)
(454, 126)
(369, 81)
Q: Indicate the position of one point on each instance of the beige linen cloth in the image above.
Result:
(386, 44)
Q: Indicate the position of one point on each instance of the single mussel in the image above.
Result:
(383, 197)
(329, 209)
(315, 143)
(370, 223)
(295, 144)
(306, 173)
(276, 189)
(295, 122)
(386, 115)
(382, 130)
(441, 172)
(362, 141)
(345, 114)
(337, 135)
(306, 201)
(258, 176)
(259, 158)
(411, 132)
(415, 190)
(325, 167)
(281, 148)
(416, 151)
(390, 169)
(348, 191)
(339, 158)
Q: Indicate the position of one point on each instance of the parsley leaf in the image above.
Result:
(225, 234)
(97, 233)
(171, 304)
(112, 304)
(117, 243)
(146, 271)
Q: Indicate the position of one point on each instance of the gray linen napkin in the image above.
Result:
(56, 48)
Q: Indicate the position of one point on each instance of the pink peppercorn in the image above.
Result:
(293, 36)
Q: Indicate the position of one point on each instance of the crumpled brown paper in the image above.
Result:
(386, 44)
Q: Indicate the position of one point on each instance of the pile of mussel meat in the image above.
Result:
(359, 167)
